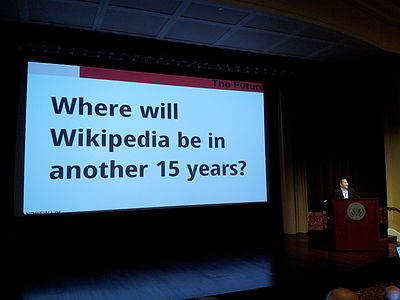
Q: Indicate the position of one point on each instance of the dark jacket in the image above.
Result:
(339, 195)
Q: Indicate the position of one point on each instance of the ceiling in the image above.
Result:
(197, 22)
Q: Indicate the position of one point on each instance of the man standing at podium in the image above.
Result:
(344, 191)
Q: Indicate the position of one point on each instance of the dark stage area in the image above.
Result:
(297, 266)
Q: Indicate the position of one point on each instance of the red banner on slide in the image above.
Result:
(143, 77)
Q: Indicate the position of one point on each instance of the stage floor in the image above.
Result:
(298, 265)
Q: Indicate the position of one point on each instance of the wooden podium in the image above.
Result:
(356, 224)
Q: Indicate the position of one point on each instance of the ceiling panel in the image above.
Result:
(298, 47)
(343, 53)
(92, 1)
(195, 32)
(358, 44)
(274, 23)
(214, 13)
(63, 13)
(133, 23)
(202, 22)
(253, 41)
(317, 32)
(160, 6)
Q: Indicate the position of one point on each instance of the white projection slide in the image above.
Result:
(101, 139)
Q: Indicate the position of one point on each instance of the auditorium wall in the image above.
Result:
(390, 83)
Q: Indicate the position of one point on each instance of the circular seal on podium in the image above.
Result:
(356, 211)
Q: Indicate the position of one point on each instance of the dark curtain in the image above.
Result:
(337, 130)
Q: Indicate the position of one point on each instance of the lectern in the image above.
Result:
(356, 224)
